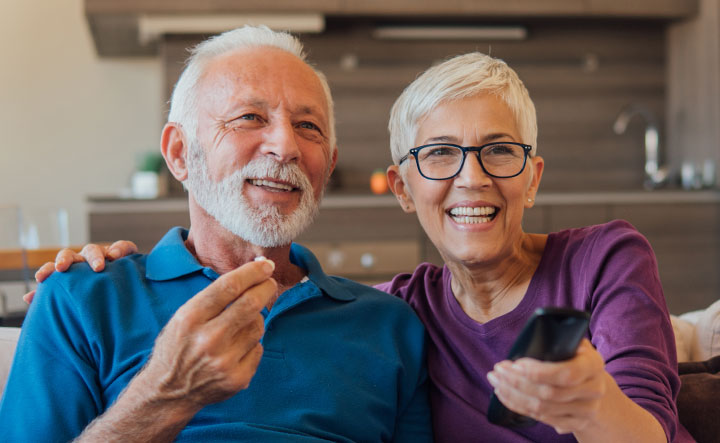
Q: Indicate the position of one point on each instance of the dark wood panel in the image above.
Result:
(681, 222)
(337, 225)
(535, 220)
(576, 216)
(145, 229)
(577, 100)
(644, 8)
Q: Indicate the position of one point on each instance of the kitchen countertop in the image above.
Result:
(108, 204)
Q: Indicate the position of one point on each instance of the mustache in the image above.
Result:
(262, 168)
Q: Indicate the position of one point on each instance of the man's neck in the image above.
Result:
(217, 248)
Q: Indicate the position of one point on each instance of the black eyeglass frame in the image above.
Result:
(465, 150)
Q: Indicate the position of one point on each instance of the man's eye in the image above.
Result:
(309, 125)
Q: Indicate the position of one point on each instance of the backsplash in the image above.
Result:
(579, 73)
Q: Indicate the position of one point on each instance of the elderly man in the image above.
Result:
(191, 341)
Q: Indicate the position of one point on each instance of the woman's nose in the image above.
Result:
(472, 173)
(279, 142)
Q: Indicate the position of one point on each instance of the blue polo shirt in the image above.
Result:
(342, 362)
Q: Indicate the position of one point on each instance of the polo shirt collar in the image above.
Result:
(302, 257)
(170, 259)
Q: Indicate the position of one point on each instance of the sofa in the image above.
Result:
(697, 339)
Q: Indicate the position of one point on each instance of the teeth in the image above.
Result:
(472, 220)
(270, 184)
(472, 215)
(476, 211)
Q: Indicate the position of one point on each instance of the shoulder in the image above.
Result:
(369, 297)
(605, 231)
(81, 286)
(425, 278)
(611, 237)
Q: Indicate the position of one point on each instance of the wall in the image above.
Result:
(70, 123)
(580, 74)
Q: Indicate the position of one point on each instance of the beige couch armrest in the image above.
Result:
(8, 341)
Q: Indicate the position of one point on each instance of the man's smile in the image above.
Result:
(272, 185)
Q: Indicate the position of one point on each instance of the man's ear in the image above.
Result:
(399, 188)
(333, 163)
(174, 149)
(538, 165)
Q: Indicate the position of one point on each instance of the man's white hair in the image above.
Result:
(463, 76)
(184, 101)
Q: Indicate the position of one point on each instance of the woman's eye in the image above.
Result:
(501, 150)
(250, 117)
(438, 152)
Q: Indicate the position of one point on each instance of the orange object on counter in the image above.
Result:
(378, 182)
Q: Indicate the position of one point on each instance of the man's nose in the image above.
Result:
(279, 142)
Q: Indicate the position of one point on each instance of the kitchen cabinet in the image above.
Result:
(369, 239)
(116, 29)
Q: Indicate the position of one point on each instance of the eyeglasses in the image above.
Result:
(443, 161)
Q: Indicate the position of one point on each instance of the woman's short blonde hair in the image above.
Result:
(460, 77)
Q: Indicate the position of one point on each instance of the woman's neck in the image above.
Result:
(488, 290)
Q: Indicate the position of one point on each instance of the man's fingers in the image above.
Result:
(121, 248)
(234, 319)
(246, 367)
(240, 340)
(212, 300)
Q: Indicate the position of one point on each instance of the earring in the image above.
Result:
(530, 200)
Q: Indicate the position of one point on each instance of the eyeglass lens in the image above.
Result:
(443, 161)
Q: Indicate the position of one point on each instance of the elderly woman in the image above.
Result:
(463, 140)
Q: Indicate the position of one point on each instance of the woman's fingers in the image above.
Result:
(65, 258)
(121, 248)
(94, 255)
(45, 271)
(566, 395)
(28, 298)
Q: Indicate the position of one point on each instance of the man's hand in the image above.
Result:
(210, 348)
(565, 395)
(207, 352)
(94, 254)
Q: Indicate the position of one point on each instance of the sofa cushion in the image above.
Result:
(8, 340)
(706, 340)
(697, 401)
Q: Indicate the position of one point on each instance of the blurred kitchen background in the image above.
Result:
(627, 94)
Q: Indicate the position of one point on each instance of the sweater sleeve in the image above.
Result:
(52, 391)
(630, 323)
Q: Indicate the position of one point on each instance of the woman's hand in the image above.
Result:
(575, 396)
(565, 395)
(94, 254)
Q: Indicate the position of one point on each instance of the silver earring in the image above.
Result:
(530, 200)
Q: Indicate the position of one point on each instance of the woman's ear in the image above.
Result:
(399, 188)
(537, 164)
(174, 149)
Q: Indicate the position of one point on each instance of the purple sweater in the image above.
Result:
(608, 270)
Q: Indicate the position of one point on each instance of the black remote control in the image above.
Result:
(551, 334)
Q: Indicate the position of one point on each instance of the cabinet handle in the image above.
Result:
(367, 260)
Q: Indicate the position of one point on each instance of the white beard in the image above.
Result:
(263, 226)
